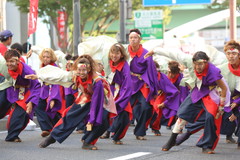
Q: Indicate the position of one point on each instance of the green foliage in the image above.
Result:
(101, 12)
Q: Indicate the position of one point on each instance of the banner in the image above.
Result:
(61, 26)
(32, 17)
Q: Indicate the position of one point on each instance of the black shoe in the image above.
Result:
(229, 139)
(207, 151)
(49, 140)
(238, 146)
(183, 137)
(171, 142)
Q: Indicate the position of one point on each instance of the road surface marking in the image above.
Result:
(129, 156)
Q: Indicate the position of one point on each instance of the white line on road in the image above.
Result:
(129, 156)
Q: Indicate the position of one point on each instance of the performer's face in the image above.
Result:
(233, 57)
(82, 72)
(171, 75)
(99, 67)
(46, 58)
(69, 66)
(134, 39)
(115, 56)
(12, 63)
(199, 66)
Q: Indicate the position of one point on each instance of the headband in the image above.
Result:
(16, 58)
(135, 33)
(70, 61)
(232, 50)
(81, 65)
(201, 60)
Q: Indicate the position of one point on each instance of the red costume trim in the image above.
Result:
(203, 74)
(212, 108)
(14, 74)
(138, 53)
(174, 79)
(118, 67)
(43, 65)
(234, 71)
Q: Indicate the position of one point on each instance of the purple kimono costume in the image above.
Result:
(193, 105)
(144, 76)
(170, 100)
(92, 111)
(146, 69)
(172, 96)
(46, 116)
(49, 93)
(23, 91)
(122, 78)
(30, 85)
(184, 91)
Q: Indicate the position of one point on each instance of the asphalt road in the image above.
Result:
(131, 149)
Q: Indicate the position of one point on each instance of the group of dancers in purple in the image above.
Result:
(101, 105)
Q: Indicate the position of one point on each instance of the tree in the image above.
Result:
(48, 10)
(101, 12)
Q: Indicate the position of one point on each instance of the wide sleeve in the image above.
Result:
(96, 106)
(55, 94)
(172, 93)
(152, 80)
(125, 90)
(54, 75)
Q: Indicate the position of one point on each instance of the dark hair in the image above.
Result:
(3, 38)
(231, 44)
(11, 53)
(135, 30)
(200, 55)
(26, 47)
(68, 57)
(174, 67)
(74, 58)
(18, 47)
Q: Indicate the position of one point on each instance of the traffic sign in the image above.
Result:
(148, 3)
(150, 23)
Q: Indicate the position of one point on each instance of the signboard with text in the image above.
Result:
(148, 3)
(150, 23)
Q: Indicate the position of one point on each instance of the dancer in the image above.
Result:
(120, 82)
(50, 100)
(208, 77)
(144, 83)
(23, 95)
(92, 106)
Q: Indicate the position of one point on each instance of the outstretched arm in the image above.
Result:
(53, 75)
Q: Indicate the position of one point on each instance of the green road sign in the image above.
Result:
(150, 23)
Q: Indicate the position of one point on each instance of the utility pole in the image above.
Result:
(233, 26)
(76, 26)
(123, 11)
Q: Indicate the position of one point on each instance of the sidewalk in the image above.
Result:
(3, 123)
